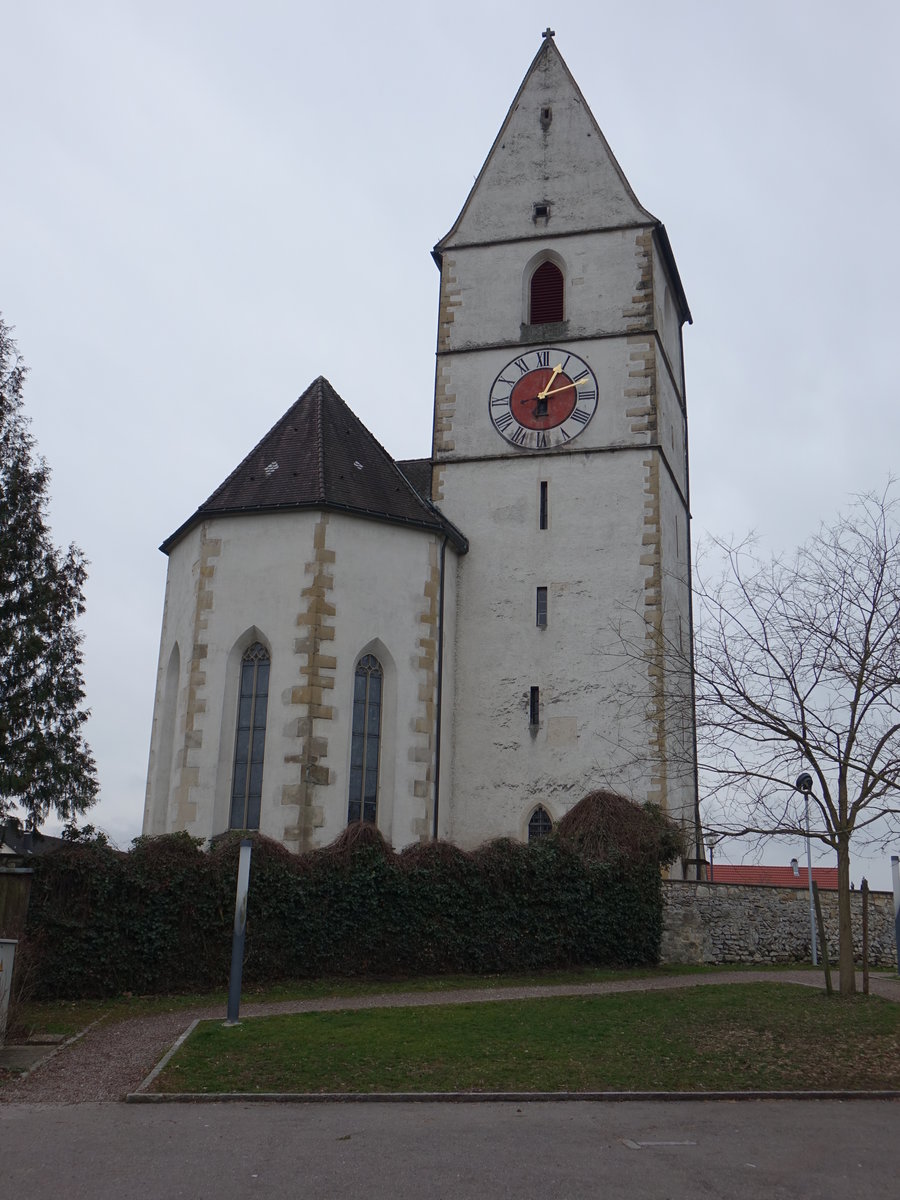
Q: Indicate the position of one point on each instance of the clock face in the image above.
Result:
(543, 399)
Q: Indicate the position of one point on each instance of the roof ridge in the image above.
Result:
(319, 383)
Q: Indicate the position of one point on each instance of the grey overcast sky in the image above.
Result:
(206, 205)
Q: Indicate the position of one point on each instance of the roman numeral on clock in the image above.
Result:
(580, 416)
(503, 422)
(543, 358)
(520, 436)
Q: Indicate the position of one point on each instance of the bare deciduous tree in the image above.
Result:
(797, 668)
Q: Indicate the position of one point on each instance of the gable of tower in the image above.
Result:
(550, 167)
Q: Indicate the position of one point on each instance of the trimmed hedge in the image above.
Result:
(159, 918)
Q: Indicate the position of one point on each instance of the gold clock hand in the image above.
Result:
(556, 371)
(578, 384)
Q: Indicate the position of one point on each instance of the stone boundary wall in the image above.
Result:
(740, 923)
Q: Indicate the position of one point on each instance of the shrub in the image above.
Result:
(160, 917)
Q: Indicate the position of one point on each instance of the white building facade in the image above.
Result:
(460, 646)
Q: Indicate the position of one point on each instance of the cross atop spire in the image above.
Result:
(548, 33)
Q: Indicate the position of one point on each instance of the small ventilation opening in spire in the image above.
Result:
(546, 117)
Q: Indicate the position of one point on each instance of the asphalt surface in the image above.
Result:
(527, 1151)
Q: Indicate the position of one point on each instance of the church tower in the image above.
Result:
(560, 447)
(462, 645)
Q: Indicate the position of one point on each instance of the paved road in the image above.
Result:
(643, 1151)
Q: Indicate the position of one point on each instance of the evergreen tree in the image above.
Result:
(45, 763)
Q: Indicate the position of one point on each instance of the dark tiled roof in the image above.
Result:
(418, 472)
(320, 455)
(16, 842)
(825, 877)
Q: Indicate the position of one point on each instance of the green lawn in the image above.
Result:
(731, 1037)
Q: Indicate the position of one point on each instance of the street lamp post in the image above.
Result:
(804, 784)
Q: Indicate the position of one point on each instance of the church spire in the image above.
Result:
(550, 159)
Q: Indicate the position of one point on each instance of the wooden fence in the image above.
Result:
(15, 889)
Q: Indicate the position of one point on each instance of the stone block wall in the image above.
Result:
(737, 923)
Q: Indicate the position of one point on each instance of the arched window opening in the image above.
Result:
(250, 739)
(539, 824)
(547, 288)
(365, 740)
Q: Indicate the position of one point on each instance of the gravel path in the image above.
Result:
(112, 1058)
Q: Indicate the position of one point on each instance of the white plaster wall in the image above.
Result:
(473, 375)
(592, 698)
(671, 426)
(666, 317)
(681, 777)
(602, 271)
(448, 704)
(569, 165)
(380, 573)
(177, 629)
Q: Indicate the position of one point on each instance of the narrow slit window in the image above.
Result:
(541, 608)
(544, 510)
(546, 294)
(534, 707)
(250, 739)
(365, 740)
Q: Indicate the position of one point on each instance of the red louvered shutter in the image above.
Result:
(546, 294)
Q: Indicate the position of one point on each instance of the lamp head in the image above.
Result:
(804, 783)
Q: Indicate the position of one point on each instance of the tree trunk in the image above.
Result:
(845, 927)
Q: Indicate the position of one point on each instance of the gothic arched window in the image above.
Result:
(539, 824)
(546, 295)
(250, 738)
(366, 737)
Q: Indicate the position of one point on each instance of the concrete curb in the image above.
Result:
(164, 1061)
(478, 1097)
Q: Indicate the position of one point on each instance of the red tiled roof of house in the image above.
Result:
(825, 877)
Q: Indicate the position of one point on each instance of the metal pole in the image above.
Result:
(237, 939)
(812, 911)
(895, 879)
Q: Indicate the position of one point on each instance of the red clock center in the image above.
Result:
(536, 412)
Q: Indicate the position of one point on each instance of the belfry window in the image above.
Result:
(546, 295)
(539, 824)
(250, 738)
(365, 740)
